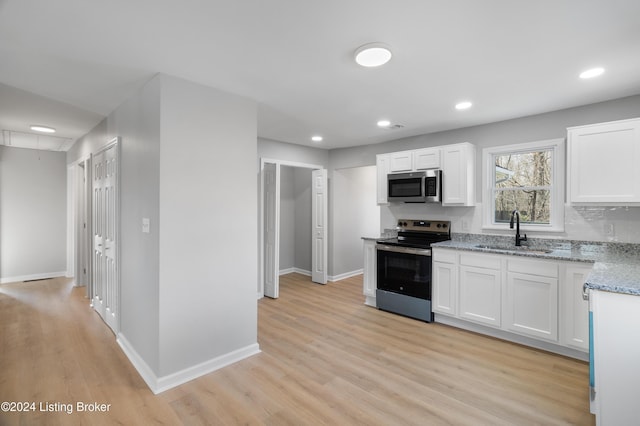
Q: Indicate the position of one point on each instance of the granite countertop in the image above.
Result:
(616, 266)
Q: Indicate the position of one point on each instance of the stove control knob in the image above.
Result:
(439, 225)
(444, 225)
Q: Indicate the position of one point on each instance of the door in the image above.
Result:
(271, 229)
(319, 226)
(105, 282)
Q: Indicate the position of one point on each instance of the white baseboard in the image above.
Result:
(296, 270)
(161, 384)
(331, 278)
(346, 275)
(42, 276)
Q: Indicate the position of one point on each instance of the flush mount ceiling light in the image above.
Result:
(42, 129)
(590, 73)
(384, 123)
(316, 138)
(463, 105)
(372, 54)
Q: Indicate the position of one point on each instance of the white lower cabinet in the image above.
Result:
(480, 295)
(445, 282)
(370, 272)
(539, 299)
(531, 302)
(574, 310)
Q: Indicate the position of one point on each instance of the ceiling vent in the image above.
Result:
(394, 127)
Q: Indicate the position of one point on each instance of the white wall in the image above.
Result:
(33, 188)
(354, 214)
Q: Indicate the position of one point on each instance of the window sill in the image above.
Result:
(525, 228)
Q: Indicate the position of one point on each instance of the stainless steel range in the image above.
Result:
(404, 267)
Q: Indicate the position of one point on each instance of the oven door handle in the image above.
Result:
(407, 250)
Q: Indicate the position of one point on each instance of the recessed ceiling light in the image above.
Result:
(593, 72)
(463, 105)
(316, 138)
(384, 123)
(372, 54)
(43, 129)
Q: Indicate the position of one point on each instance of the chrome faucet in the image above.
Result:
(516, 214)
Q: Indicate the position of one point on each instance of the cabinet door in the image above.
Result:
(603, 162)
(574, 312)
(445, 282)
(458, 175)
(428, 158)
(369, 278)
(480, 295)
(382, 169)
(401, 161)
(531, 305)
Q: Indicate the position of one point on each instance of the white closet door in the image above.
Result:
(271, 229)
(105, 278)
(319, 226)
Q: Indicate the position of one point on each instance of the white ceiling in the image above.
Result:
(68, 63)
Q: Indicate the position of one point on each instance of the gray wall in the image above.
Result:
(302, 220)
(287, 218)
(188, 286)
(580, 223)
(208, 230)
(33, 188)
(295, 218)
(354, 214)
(283, 151)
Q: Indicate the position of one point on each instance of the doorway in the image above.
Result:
(82, 224)
(271, 216)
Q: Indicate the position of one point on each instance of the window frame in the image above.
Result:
(557, 186)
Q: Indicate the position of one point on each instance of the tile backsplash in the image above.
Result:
(585, 223)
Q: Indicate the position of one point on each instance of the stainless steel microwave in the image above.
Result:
(415, 187)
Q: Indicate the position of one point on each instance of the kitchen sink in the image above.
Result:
(526, 249)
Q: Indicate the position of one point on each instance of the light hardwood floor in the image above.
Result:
(326, 359)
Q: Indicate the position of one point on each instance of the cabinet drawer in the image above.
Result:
(544, 269)
(480, 261)
(445, 256)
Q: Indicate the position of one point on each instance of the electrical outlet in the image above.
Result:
(145, 225)
(465, 225)
(610, 230)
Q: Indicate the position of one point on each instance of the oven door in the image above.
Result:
(404, 270)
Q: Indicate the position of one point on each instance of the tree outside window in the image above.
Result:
(523, 182)
(526, 177)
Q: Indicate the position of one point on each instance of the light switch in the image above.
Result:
(145, 225)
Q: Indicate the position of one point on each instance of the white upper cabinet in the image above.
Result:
(458, 174)
(603, 163)
(427, 158)
(401, 161)
(456, 161)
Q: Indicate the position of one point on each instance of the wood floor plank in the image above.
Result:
(326, 359)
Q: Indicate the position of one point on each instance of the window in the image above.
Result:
(525, 177)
